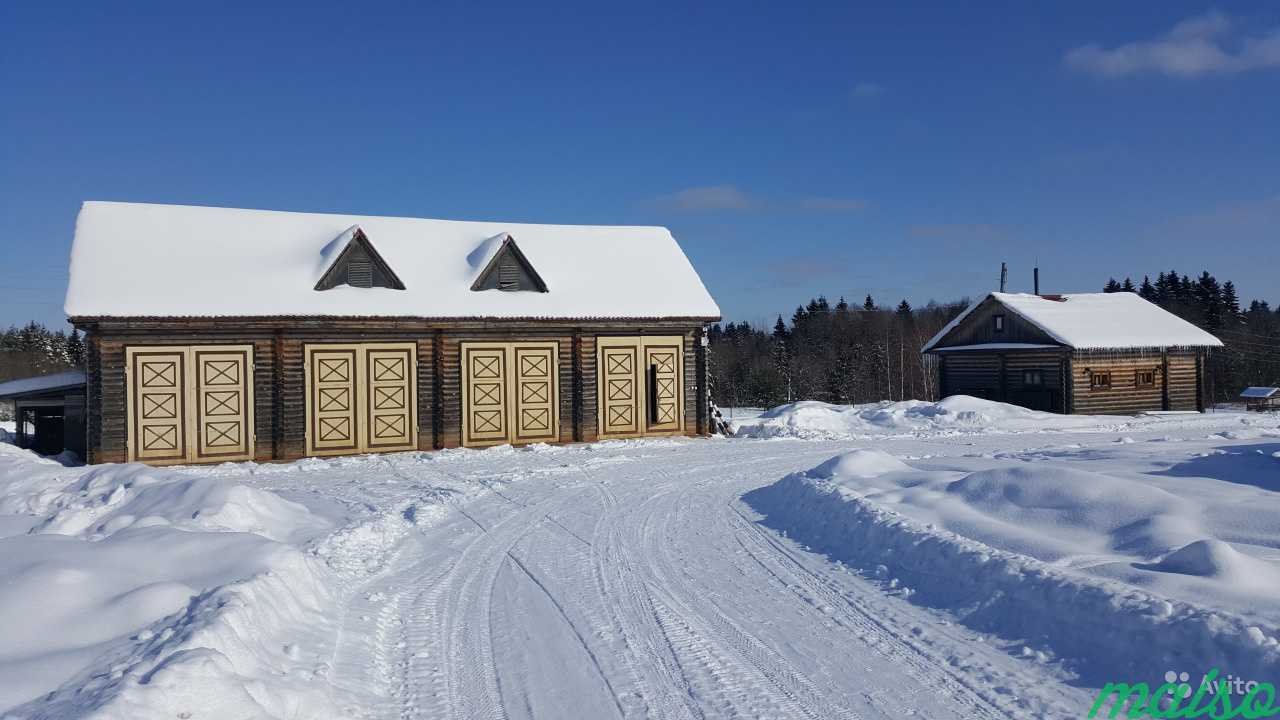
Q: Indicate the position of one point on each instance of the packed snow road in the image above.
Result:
(1000, 565)
(633, 582)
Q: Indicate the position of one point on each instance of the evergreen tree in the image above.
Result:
(1230, 304)
(904, 309)
(842, 306)
(1147, 290)
(1111, 286)
(868, 304)
(780, 330)
(1127, 286)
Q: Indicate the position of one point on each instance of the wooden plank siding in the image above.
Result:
(979, 328)
(280, 382)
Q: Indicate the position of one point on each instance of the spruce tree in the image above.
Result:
(868, 304)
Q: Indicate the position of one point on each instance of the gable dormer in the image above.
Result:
(358, 265)
(509, 270)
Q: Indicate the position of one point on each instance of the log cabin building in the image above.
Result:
(218, 334)
(1091, 353)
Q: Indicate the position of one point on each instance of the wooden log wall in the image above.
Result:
(280, 383)
(1124, 397)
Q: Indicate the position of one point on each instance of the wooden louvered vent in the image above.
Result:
(508, 274)
(360, 274)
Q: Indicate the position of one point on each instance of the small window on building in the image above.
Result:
(1033, 378)
(360, 273)
(1100, 380)
(998, 323)
(1145, 379)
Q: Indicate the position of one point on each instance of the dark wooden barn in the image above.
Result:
(1092, 353)
(218, 334)
(48, 412)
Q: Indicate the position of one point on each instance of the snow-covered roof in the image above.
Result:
(1094, 321)
(1260, 392)
(70, 378)
(997, 346)
(143, 260)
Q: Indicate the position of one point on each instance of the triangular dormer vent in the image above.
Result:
(509, 270)
(358, 264)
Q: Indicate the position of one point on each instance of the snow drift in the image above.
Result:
(814, 420)
(1117, 576)
(141, 592)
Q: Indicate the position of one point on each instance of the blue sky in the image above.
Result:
(792, 149)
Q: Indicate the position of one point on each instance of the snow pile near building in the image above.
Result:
(813, 420)
(1118, 572)
(135, 592)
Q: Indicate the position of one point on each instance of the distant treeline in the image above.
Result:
(34, 349)
(846, 353)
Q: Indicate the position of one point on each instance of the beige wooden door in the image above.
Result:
(361, 398)
(333, 403)
(390, 385)
(662, 385)
(510, 393)
(157, 404)
(620, 390)
(484, 394)
(535, 383)
(640, 385)
(223, 378)
(189, 403)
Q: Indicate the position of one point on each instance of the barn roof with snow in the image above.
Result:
(1088, 321)
(145, 260)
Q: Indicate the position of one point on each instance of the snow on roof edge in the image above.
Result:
(271, 253)
(39, 383)
(1009, 301)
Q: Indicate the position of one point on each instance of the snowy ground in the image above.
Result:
(971, 562)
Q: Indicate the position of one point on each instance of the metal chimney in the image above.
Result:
(1004, 276)
(1036, 275)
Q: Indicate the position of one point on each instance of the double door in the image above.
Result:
(361, 398)
(510, 393)
(641, 388)
(189, 403)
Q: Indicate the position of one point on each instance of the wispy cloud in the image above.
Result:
(834, 204)
(710, 198)
(730, 198)
(866, 89)
(958, 231)
(1204, 45)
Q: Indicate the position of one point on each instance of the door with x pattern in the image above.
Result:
(189, 403)
(361, 397)
(510, 392)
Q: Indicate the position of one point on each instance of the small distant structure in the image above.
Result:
(1261, 398)
(1087, 353)
(49, 412)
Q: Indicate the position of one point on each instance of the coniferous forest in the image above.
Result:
(857, 353)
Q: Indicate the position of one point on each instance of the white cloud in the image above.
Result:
(710, 198)
(1196, 46)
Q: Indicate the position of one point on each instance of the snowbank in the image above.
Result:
(813, 420)
(1120, 577)
(139, 592)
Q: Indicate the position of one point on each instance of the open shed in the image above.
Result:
(49, 411)
(1261, 398)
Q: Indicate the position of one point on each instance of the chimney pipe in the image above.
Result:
(1036, 275)
(1004, 276)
